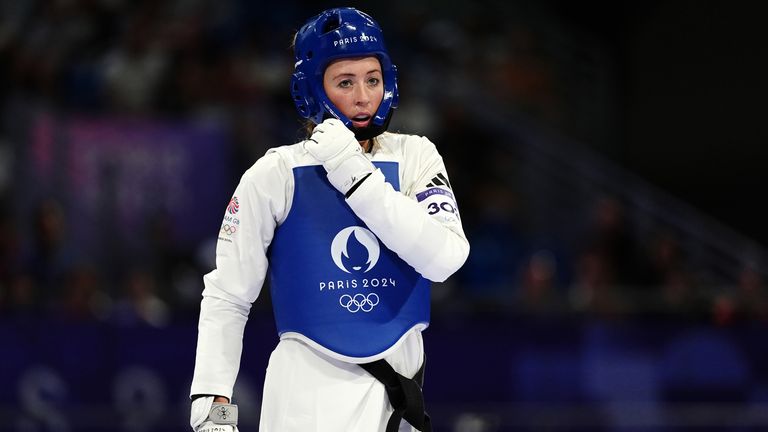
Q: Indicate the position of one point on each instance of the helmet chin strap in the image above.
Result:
(372, 130)
(366, 133)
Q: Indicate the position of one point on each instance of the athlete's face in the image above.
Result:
(355, 86)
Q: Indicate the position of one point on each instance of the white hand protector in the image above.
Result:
(207, 416)
(336, 148)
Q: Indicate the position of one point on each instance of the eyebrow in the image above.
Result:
(351, 74)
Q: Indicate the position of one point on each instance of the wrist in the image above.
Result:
(223, 414)
(354, 187)
(349, 172)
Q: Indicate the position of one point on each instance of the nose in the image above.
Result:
(362, 96)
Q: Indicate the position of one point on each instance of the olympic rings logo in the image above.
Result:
(229, 229)
(359, 302)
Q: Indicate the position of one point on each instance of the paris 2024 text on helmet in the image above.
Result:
(330, 35)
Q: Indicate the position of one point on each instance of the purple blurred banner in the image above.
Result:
(518, 374)
(115, 174)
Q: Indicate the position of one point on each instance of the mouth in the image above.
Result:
(361, 120)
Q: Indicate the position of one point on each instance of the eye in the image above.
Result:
(345, 83)
(373, 81)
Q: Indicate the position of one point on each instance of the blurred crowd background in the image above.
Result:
(607, 158)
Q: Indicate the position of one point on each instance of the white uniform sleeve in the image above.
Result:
(249, 223)
(422, 225)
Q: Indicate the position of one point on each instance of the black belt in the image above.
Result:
(404, 394)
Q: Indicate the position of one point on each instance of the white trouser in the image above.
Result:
(307, 391)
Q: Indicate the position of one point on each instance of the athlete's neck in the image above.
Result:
(366, 145)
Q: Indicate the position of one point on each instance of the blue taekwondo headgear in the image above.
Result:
(333, 34)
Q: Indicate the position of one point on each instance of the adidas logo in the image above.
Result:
(440, 180)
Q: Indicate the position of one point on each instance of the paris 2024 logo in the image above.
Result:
(355, 251)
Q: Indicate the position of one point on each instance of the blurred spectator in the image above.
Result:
(498, 246)
(163, 256)
(752, 295)
(748, 300)
(133, 70)
(82, 297)
(139, 303)
(607, 264)
(21, 298)
(539, 290)
(668, 272)
(594, 289)
(522, 73)
(665, 257)
(49, 257)
(612, 238)
(10, 248)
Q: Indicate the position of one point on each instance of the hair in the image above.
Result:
(308, 126)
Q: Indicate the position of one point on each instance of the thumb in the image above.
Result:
(333, 122)
(201, 406)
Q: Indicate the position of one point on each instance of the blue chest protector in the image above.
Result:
(333, 281)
